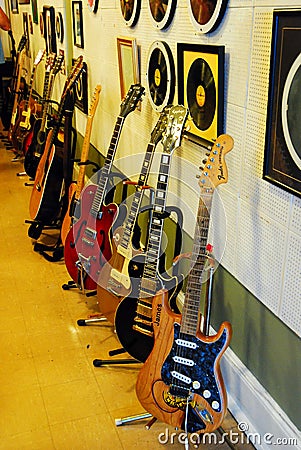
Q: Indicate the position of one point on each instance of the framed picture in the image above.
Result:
(81, 89)
(14, 6)
(282, 158)
(77, 17)
(201, 89)
(35, 15)
(128, 63)
(93, 5)
(49, 28)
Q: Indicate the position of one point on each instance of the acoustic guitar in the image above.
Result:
(88, 243)
(47, 192)
(181, 382)
(35, 144)
(75, 189)
(115, 281)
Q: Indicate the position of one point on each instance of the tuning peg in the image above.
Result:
(204, 161)
(207, 154)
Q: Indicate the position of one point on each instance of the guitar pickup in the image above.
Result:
(86, 241)
(90, 233)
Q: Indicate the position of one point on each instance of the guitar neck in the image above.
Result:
(148, 282)
(49, 79)
(29, 94)
(84, 157)
(190, 313)
(106, 169)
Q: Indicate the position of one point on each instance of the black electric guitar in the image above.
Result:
(181, 382)
(47, 192)
(116, 274)
(88, 242)
(35, 147)
(133, 318)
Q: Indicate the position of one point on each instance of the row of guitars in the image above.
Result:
(180, 381)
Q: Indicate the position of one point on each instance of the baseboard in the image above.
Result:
(255, 410)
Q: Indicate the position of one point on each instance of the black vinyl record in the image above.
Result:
(160, 75)
(130, 9)
(201, 94)
(162, 12)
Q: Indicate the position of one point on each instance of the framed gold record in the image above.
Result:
(161, 12)
(160, 75)
(130, 10)
(206, 15)
(282, 158)
(201, 89)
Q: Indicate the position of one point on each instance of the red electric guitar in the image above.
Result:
(180, 382)
(88, 243)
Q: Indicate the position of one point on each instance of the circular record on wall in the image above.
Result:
(162, 12)
(206, 15)
(160, 75)
(130, 10)
(59, 25)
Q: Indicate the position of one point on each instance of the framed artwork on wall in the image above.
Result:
(59, 27)
(162, 12)
(128, 63)
(282, 158)
(130, 10)
(81, 89)
(201, 89)
(35, 15)
(206, 15)
(14, 6)
(49, 28)
(77, 18)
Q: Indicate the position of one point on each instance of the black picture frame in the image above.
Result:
(49, 29)
(81, 89)
(201, 89)
(14, 6)
(35, 14)
(77, 20)
(282, 156)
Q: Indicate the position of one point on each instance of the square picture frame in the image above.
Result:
(282, 155)
(81, 89)
(128, 63)
(201, 89)
(77, 20)
(14, 6)
(35, 14)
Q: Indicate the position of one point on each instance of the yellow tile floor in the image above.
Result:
(51, 395)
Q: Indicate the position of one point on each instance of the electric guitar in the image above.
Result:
(47, 192)
(75, 189)
(25, 109)
(36, 145)
(133, 317)
(116, 274)
(88, 243)
(181, 382)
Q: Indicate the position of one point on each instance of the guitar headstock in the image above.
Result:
(174, 129)
(58, 64)
(50, 60)
(39, 57)
(94, 101)
(73, 75)
(22, 43)
(131, 99)
(215, 171)
(157, 133)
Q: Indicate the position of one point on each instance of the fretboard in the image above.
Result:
(49, 81)
(136, 202)
(28, 97)
(190, 313)
(151, 266)
(106, 169)
(84, 157)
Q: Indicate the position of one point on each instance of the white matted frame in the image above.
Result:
(128, 63)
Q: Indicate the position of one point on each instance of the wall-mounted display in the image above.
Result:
(14, 6)
(24, 2)
(160, 76)
(34, 7)
(206, 15)
(49, 28)
(282, 160)
(81, 89)
(128, 63)
(162, 12)
(201, 89)
(77, 18)
(93, 5)
(130, 10)
(59, 27)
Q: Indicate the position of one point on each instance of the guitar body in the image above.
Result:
(34, 151)
(48, 186)
(67, 222)
(88, 240)
(200, 395)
